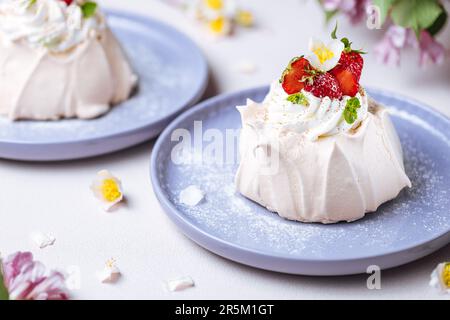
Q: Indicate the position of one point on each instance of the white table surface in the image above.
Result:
(149, 249)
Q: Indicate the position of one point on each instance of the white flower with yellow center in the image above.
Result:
(219, 16)
(108, 189)
(440, 277)
(324, 57)
(219, 26)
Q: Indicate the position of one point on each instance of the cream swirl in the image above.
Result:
(320, 117)
(49, 24)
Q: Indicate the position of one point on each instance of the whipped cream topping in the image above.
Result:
(320, 117)
(48, 24)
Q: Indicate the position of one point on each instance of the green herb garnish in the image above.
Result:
(351, 110)
(298, 98)
(88, 8)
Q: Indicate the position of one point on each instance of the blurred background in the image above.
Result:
(257, 55)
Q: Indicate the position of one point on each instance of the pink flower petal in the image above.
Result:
(386, 52)
(26, 279)
(430, 50)
(14, 263)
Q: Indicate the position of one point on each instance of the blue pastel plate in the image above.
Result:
(413, 225)
(173, 75)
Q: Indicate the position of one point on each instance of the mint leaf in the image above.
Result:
(416, 14)
(298, 98)
(3, 291)
(88, 9)
(351, 110)
(384, 6)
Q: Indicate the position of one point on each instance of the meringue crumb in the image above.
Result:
(42, 240)
(180, 284)
(191, 196)
(110, 273)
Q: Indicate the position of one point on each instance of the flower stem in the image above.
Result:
(3, 291)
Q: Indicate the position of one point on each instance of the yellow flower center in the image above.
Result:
(323, 53)
(110, 263)
(217, 25)
(110, 190)
(214, 4)
(244, 18)
(446, 274)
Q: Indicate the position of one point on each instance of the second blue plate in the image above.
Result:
(172, 76)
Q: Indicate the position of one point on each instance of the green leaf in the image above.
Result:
(88, 9)
(438, 24)
(416, 14)
(298, 98)
(330, 15)
(334, 33)
(347, 45)
(351, 110)
(384, 6)
(3, 291)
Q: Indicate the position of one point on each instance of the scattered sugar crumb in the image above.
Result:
(191, 196)
(42, 240)
(180, 284)
(110, 273)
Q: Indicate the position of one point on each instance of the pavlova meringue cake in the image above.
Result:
(59, 59)
(318, 149)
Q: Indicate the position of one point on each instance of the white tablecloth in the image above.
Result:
(149, 249)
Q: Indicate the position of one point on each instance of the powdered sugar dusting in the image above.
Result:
(415, 216)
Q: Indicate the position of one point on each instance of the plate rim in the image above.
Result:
(174, 214)
(194, 98)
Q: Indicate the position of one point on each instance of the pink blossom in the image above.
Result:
(430, 49)
(354, 9)
(395, 39)
(26, 279)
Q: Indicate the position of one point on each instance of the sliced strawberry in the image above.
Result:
(324, 85)
(293, 77)
(353, 62)
(347, 81)
(68, 2)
